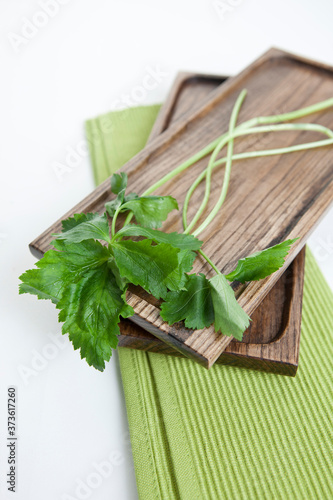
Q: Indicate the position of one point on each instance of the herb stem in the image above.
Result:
(210, 262)
(263, 120)
(128, 218)
(114, 219)
(251, 126)
(272, 152)
(183, 166)
(291, 115)
(227, 139)
(253, 154)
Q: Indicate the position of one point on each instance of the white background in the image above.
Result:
(82, 62)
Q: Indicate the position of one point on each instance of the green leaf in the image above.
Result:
(76, 220)
(95, 227)
(79, 279)
(261, 264)
(230, 318)
(91, 310)
(178, 279)
(193, 305)
(119, 183)
(121, 281)
(151, 211)
(205, 302)
(112, 206)
(146, 265)
(57, 268)
(118, 187)
(177, 240)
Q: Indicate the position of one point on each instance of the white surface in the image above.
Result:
(81, 63)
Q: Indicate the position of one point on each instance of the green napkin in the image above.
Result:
(227, 433)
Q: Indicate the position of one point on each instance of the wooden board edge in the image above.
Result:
(182, 79)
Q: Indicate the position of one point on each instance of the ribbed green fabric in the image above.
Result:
(228, 433)
(114, 138)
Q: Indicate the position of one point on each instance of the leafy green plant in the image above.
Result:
(94, 260)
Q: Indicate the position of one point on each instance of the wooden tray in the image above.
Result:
(271, 343)
(269, 200)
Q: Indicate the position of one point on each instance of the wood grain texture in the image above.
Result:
(187, 93)
(269, 200)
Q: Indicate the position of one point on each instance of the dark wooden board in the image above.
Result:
(271, 343)
(269, 200)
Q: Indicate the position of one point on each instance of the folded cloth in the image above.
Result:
(226, 433)
(114, 138)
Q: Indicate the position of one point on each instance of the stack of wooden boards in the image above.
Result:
(269, 200)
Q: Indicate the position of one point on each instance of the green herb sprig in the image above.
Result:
(93, 262)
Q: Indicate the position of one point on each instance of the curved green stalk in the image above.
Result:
(225, 140)
(114, 219)
(299, 147)
(183, 166)
(278, 151)
(290, 115)
(253, 154)
(128, 218)
(262, 120)
(293, 115)
(210, 262)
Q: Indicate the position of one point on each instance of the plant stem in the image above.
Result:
(109, 218)
(114, 219)
(128, 218)
(278, 151)
(210, 262)
(292, 115)
(312, 127)
(253, 154)
(237, 133)
(183, 166)
(226, 139)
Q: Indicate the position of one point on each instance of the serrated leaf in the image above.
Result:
(91, 310)
(261, 264)
(151, 211)
(177, 240)
(121, 281)
(145, 264)
(178, 278)
(57, 268)
(78, 278)
(77, 219)
(95, 227)
(230, 318)
(112, 206)
(193, 305)
(118, 187)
